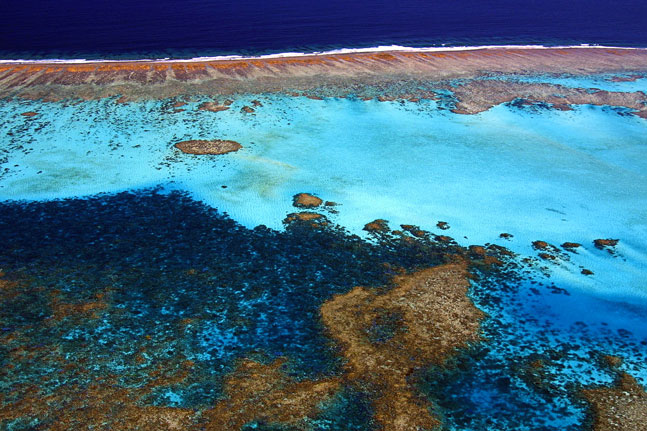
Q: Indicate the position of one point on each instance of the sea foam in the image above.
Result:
(384, 48)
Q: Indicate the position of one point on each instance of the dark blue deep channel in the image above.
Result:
(168, 28)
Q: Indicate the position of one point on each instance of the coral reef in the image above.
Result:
(480, 95)
(212, 106)
(373, 74)
(306, 200)
(378, 225)
(606, 244)
(203, 147)
(387, 338)
(619, 408)
(262, 393)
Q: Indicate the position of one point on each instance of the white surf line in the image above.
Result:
(387, 48)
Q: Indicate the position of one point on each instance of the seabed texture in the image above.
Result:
(389, 241)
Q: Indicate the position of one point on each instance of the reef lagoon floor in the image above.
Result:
(394, 240)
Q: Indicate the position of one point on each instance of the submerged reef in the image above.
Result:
(148, 310)
(387, 338)
(480, 95)
(203, 147)
(158, 312)
(622, 407)
(212, 106)
(306, 200)
(619, 408)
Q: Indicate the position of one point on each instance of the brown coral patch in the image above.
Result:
(306, 200)
(83, 310)
(541, 245)
(571, 246)
(442, 238)
(29, 114)
(258, 392)
(202, 147)
(303, 216)
(562, 107)
(620, 408)
(612, 361)
(547, 256)
(212, 107)
(378, 225)
(428, 316)
(605, 243)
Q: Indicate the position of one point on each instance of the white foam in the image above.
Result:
(381, 48)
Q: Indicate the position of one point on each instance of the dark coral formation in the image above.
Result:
(378, 225)
(548, 251)
(606, 244)
(571, 246)
(204, 147)
(212, 107)
(306, 200)
(442, 225)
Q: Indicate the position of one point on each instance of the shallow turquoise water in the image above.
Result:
(554, 176)
(539, 175)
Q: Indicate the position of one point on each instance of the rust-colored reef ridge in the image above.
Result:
(339, 73)
(203, 147)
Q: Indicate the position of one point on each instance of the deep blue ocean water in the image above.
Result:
(167, 28)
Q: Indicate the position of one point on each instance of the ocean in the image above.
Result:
(37, 29)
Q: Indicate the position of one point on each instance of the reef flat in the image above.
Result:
(395, 240)
(333, 74)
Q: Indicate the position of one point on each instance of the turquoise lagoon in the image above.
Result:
(536, 174)
(548, 175)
